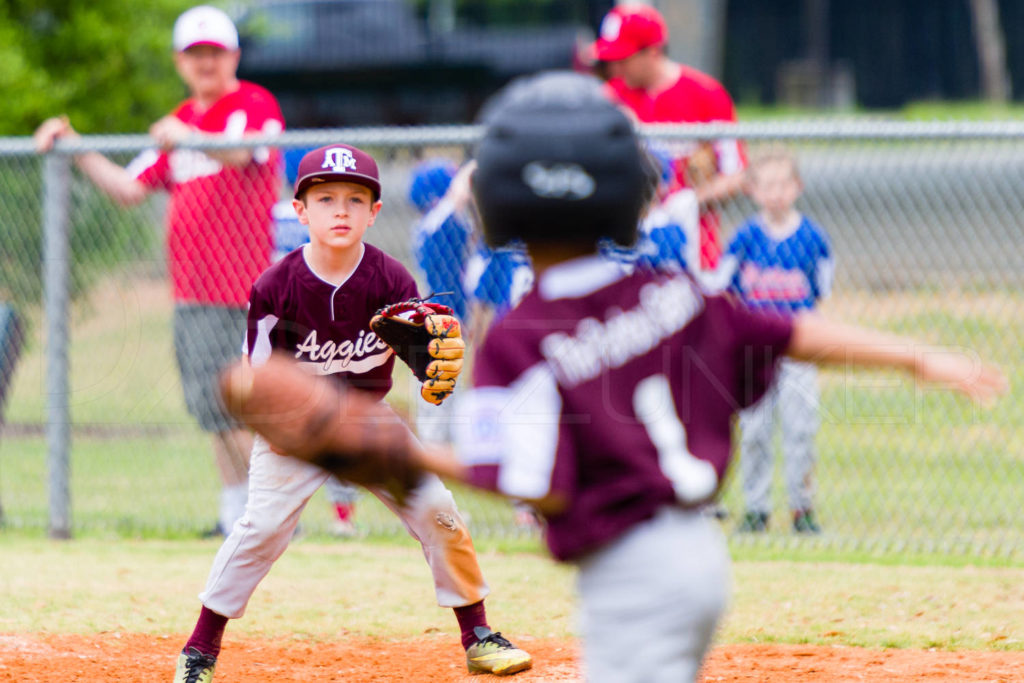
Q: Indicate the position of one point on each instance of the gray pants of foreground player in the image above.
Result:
(651, 599)
(794, 399)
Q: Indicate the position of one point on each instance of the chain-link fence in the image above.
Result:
(925, 225)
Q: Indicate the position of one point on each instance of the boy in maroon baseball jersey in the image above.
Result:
(316, 304)
(606, 398)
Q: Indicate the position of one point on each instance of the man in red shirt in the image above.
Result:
(218, 220)
(630, 52)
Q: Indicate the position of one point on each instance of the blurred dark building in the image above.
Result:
(875, 53)
(404, 62)
(416, 62)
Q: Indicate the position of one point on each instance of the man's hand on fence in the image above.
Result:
(170, 131)
(50, 130)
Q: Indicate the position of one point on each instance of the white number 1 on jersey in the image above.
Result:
(693, 479)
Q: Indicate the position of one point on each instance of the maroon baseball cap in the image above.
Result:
(337, 163)
(626, 30)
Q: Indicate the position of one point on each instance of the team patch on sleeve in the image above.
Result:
(478, 432)
(515, 428)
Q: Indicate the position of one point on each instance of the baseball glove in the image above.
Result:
(316, 419)
(428, 338)
(701, 165)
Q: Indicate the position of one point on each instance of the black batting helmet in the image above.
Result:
(558, 163)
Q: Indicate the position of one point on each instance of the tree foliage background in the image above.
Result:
(105, 63)
(108, 64)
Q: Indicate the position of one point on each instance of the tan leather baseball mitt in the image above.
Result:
(428, 338)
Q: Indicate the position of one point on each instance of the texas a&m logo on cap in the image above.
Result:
(337, 162)
(339, 159)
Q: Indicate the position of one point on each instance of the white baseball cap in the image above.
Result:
(205, 25)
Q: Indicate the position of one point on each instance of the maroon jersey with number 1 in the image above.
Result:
(615, 391)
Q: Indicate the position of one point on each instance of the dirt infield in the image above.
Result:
(129, 657)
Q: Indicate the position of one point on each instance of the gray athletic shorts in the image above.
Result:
(207, 338)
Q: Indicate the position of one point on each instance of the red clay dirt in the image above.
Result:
(129, 657)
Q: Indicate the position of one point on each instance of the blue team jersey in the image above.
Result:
(441, 244)
(662, 246)
(787, 275)
(499, 278)
(289, 233)
(659, 247)
(663, 242)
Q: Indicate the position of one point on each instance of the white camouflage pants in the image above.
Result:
(795, 399)
(280, 487)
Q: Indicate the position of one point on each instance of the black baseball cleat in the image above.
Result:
(804, 522)
(216, 531)
(753, 522)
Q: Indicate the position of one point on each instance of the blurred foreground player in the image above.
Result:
(607, 399)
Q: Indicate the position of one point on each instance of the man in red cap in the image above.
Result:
(218, 220)
(630, 53)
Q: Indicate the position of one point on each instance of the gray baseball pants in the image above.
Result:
(650, 600)
(795, 399)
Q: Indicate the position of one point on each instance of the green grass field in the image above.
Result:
(318, 590)
(925, 110)
(919, 498)
(904, 471)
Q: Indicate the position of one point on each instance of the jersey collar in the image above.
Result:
(578, 277)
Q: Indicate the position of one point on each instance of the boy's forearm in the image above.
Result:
(719, 188)
(236, 157)
(819, 340)
(443, 461)
(110, 178)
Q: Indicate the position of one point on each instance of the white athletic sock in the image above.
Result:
(232, 505)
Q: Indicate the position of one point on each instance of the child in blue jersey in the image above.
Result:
(780, 262)
(496, 279)
(480, 284)
(668, 234)
(442, 236)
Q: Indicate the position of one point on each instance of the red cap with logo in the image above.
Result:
(627, 29)
(337, 163)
